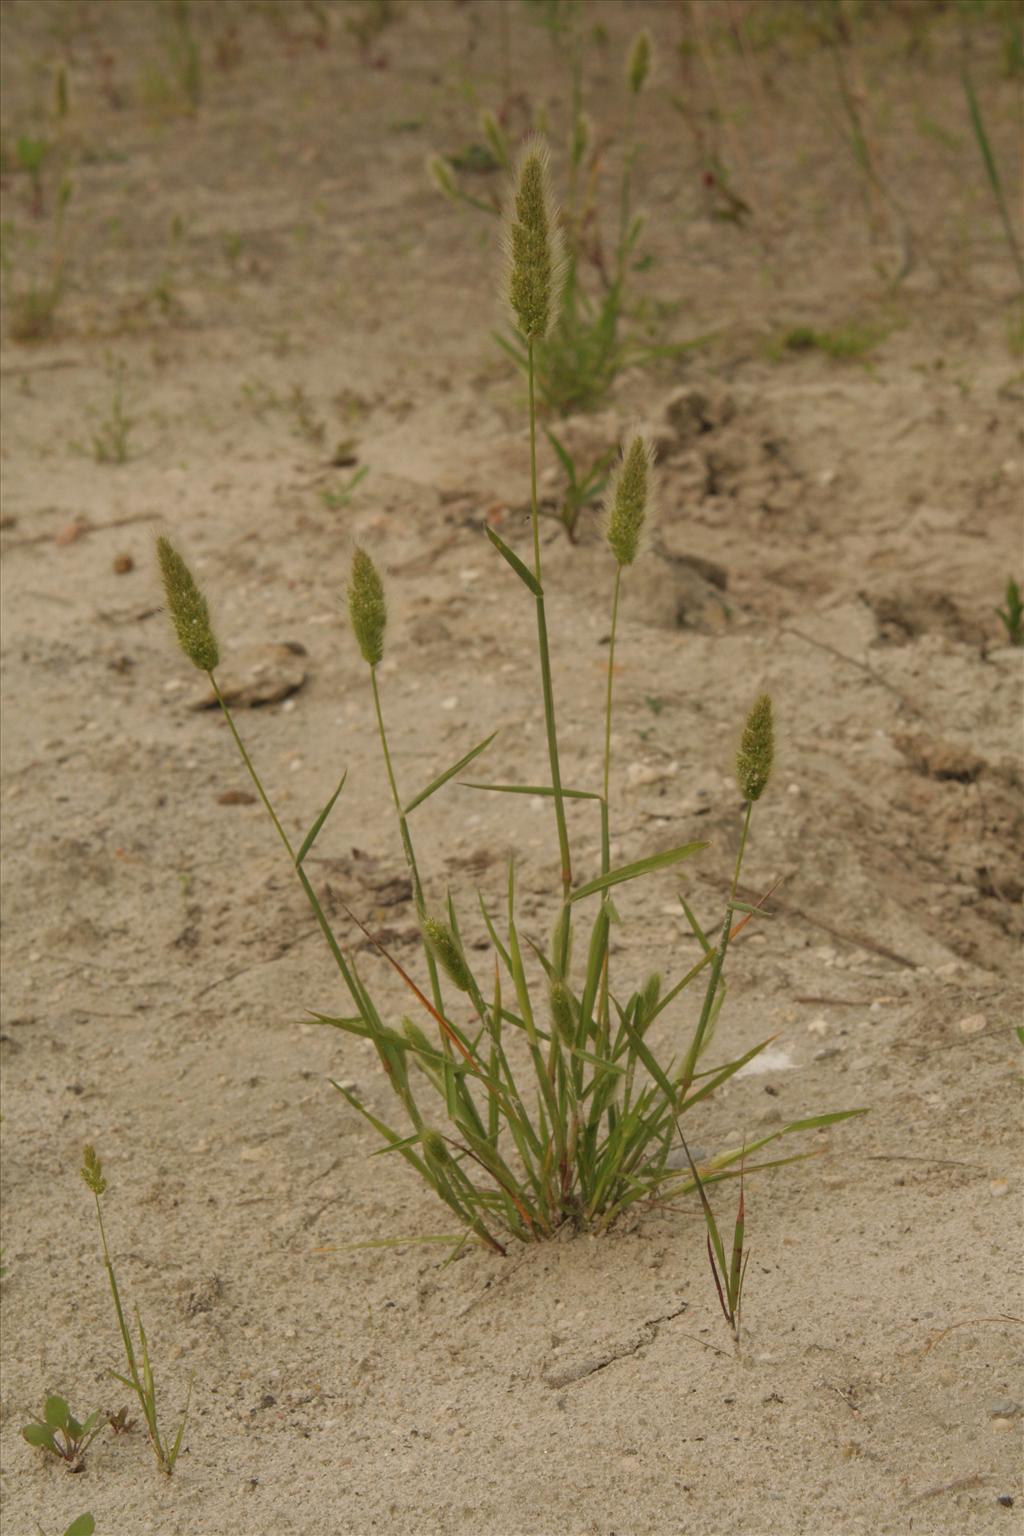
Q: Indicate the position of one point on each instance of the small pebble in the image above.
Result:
(451, 702)
(123, 564)
(1006, 1409)
(999, 1187)
(973, 1024)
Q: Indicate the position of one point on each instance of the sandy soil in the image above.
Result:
(274, 275)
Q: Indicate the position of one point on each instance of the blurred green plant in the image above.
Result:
(1012, 615)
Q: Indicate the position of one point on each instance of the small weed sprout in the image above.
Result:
(534, 1098)
(140, 1371)
(580, 491)
(338, 500)
(110, 440)
(32, 155)
(34, 305)
(60, 1434)
(1013, 614)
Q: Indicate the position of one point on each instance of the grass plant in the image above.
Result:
(850, 342)
(991, 169)
(110, 440)
(1012, 615)
(582, 489)
(34, 303)
(140, 1371)
(533, 1095)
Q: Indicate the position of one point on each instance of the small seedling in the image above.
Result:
(61, 1434)
(579, 493)
(140, 1381)
(728, 1277)
(338, 500)
(32, 155)
(849, 343)
(306, 422)
(34, 307)
(1013, 614)
(992, 170)
(85, 1525)
(185, 56)
(110, 440)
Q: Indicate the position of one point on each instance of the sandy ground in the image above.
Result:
(270, 276)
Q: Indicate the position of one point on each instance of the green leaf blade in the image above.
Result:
(654, 861)
(449, 773)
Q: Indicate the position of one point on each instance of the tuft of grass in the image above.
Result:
(851, 342)
(336, 500)
(991, 169)
(582, 489)
(1012, 615)
(111, 438)
(34, 303)
(531, 1094)
(31, 155)
(63, 1436)
(140, 1371)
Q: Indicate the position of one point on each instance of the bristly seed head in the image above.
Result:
(447, 951)
(92, 1171)
(628, 500)
(367, 609)
(533, 245)
(563, 1011)
(440, 173)
(638, 67)
(757, 750)
(187, 608)
(433, 1144)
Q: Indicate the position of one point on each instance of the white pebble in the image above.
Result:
(973, 1024)
(451, 702)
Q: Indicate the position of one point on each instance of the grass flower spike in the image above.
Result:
(628, 500)
(187, 607)
(447, 951)
(367, 608)
(757, 750)
(534, 246)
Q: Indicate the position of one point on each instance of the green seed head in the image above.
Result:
(447, 951)
(435, 1151)
(533, 245)
(92, 1171)
(495, 136)
(563, 1011)
(628, 500)
(415, 1036)
(440, 173)
(757, 749)
(639, 63)
(367, 608)
(187, 608)
(649, 996)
